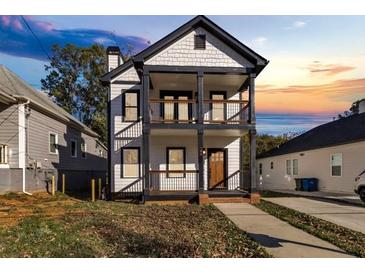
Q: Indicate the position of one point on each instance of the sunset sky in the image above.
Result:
(317, 63)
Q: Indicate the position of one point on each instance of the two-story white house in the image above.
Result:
(177, 113)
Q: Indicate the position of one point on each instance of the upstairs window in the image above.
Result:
(53, 141)
(3, 154)
(199, 41)
(336, 164)
(272, 165)
(83, 150)
(73, 148)
(130, 106)
(260, 169)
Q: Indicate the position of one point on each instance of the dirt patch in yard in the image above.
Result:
(46, 226)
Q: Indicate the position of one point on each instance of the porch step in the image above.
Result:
(212, 200)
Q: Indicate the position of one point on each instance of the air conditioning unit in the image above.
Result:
(38, 164)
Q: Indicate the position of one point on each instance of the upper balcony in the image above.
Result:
(183, 110)
(215, 100)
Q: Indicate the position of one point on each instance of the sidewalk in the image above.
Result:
(331, 196)
(279, 238)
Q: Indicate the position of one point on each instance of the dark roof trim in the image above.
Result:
(198, 21)
(106, 78)
(265, 155)
(209, 25)
(339, 132)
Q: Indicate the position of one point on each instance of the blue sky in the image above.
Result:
(317, 63)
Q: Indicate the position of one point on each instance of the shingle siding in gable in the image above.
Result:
(182, 53)
(129, 75)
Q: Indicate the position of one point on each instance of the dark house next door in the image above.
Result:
(216, 168)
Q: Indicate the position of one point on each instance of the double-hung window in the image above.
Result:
(130, 163)
(83, 149)
(3, 154)
(336, 164)
(53, 142)
(73, 148)
(175, 162)
(130, 106)
(295, 167)
(288, 167)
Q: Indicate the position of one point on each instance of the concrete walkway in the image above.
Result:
(352, 217)
(279, 238)
(331, 196)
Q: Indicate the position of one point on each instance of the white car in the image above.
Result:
(360, 185)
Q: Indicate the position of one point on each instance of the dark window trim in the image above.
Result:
(200, 38)
(176, 94)
(168, 162)
(73, 141)
(271, 165)
(122, 162)
(260, 168)
(124, 106)
(218, 92)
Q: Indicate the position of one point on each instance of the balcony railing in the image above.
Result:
(225, 111)
(185, 111)
(173, 111)
(177, 180)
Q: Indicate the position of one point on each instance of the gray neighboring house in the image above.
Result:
(39, 139)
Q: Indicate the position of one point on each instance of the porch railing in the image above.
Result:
(172, 111)
(177, 180)
(226, 111)
(229, 183)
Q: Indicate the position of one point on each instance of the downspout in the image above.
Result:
(25, 127)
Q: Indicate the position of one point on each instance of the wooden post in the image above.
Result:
(63, 183)
(99, 185)
(53, 185)
(93, 190)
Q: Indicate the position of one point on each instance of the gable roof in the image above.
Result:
(342, 131)
(14, 87)
(198, 21)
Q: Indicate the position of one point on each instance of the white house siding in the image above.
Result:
(315, 163)
(9, 132)
(124, 133)
(182, 53)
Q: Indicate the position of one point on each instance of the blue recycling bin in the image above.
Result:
(313, 184)
(305, 184)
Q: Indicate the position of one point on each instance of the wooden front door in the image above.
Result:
(216, 168)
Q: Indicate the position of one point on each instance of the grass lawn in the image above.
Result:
(349, 240)
(60, 226)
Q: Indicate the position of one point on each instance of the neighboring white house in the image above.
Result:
(177, 112)
(333, 152)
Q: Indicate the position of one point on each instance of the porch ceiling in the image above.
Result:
(185, 81)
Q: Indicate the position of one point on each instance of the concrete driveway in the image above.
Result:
(280, 238)
(352, 217)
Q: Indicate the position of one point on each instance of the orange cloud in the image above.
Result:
(328, 69)
(333, 97)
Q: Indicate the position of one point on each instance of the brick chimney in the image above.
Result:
(114, 59)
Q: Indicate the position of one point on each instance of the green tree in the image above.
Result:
(265, 142)
(73, 83)
(354, 109)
